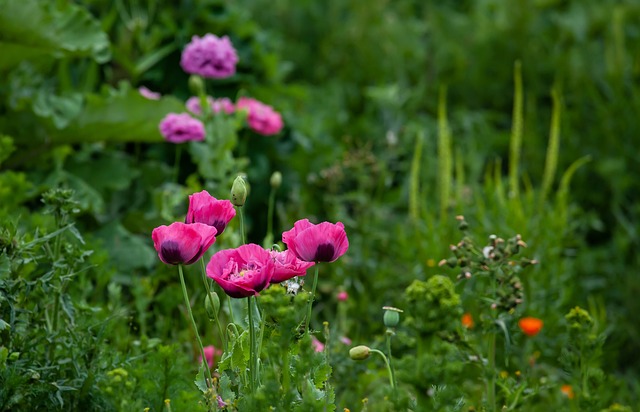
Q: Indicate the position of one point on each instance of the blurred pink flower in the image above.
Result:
(342, 296)
(262, 118)
(209, 56)
(221, 403)
(180, 243)
(204, 208)
(317, 345)
(211, 353)
(180, 128)
(217, 105)
(345, 340)
(146, 93)
(241, 272)
(324, 242)
(287, 265)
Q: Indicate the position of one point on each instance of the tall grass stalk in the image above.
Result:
(414, 192)
(445, 159)
(551, 161)
(516, 133)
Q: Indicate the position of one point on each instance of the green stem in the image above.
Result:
(242, 224)
(252, 346)
(272, 198)
(391, 370)
(176, 163)
(386, 361)
(491, 389)
(193, 324)
(313, 294)
(215, 312)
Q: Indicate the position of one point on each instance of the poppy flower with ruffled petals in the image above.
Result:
(180, 243)
(324, 242)
(204, 208)
(241, 272)
(287, 265)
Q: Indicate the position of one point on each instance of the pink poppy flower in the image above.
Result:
(204, 208)
(324, 242)
(342, 296)
(261, 117)
(148, 94)
(241, 272)
(210, 354)
(317, 345)
(217, 105)
(287, 265)
(180, 128)
(209, 56)
(345, 340)
(180, 243)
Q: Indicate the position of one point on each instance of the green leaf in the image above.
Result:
(31, 29)
(200, 381)
(127, 251)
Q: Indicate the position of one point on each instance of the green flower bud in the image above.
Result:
(239, 192)
(391, 316)
(212, 305)
(276, 180)
(196, 85)
(359, 352)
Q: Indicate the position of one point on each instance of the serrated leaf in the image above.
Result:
(201, 381)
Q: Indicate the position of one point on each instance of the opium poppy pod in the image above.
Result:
(324, 242)
(287, 265)
(241, 272)
(204, 208)
(180, 243)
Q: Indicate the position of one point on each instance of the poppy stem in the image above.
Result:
(215, 312)
(176, 163)
(313, 295)
(195, 327)
(253, 365)
(386, 361)
(242, 224)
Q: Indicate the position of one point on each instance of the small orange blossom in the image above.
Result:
(467, 320)
(530, 326)
(567, 390)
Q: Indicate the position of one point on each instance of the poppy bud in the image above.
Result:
(359, 352)
(196, 85)
(238, 192)
(212, 304)
(276, 180)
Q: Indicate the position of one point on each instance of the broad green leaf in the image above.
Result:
(127, 250)
(32, 29)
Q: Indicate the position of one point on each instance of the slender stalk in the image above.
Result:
(491, 389)
(313, 294)
(193, 324)
(386, 361)
(272, 200)
(252, 346)
(215, 312)
(391, 370)
(176, 163)
(242, 224)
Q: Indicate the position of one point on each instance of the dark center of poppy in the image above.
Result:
(324, 253)
(220, 225)
(170, 252)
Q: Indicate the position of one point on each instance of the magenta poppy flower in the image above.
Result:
(180, 128)
(324, 242)
(241, 272)
(287, 265)
(180, 243)
(148, 94)
(217, 105)
(317, 345)
(209, 56)
(204, 208)
(261, 117)
(211, 353)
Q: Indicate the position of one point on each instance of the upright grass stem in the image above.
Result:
(313, 294)
(193, 324)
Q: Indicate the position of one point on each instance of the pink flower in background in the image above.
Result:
(241, 272)
(287, 265)
(211, 353)
(204, 208)
(217, 105)
(324, 242)
(261, 117)
(209, 56)
(317, 345)
(346, 340)
(148, 94)
(180, 128)
(180, 243)
(342, 296)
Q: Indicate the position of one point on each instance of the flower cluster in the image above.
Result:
(210, 56)
(248, 269)
(223, 104)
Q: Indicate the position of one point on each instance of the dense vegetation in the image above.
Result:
(481, 154)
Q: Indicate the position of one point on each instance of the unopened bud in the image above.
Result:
(196, 85)
(359, 352)
(212, 304)
(239, 192)
(391, 316)
(276, 180)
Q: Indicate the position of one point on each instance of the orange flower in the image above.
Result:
(467, 320)
(530, 326)
(567, 390)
